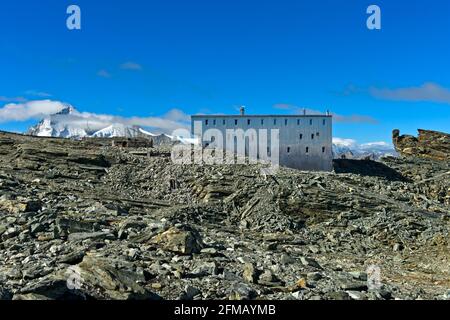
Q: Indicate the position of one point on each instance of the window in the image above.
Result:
(224, 122)
(289, 150)
(235, 122)
(301, 136)
(298, 122)
(274, 122)
(323, 149)
(249, 122)
(324, 121)
(310, 122)
(307, 149)
(262, 122)
(206, 122)
(312, 136)
(285, 122)
(214, 122)
(318, 134)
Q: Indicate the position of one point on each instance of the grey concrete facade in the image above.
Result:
(305, 140)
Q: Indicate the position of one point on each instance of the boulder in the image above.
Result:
(108, 278)
(184, 241)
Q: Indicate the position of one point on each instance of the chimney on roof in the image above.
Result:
(242, 110)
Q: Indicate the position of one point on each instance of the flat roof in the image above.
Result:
(263, 116)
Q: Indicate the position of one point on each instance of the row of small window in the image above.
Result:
(317, 134)
(249, 122)
(306, 150)
(312, 135)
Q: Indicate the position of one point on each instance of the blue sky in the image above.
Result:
(139, 58)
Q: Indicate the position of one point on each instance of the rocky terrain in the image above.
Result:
(82, 221)
(429, 144)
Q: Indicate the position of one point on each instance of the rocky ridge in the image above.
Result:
(82, 221)
(429, 144)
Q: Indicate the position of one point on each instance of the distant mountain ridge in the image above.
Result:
(69, 123)
(51, 126)
(350, 149)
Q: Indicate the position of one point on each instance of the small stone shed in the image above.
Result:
(132, 143)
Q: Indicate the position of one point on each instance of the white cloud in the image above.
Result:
(177, 115)
(93, 121)
(131, 66)
(353, 118)
(174, 119)
(363, 148)
(36, 93)
(353, 143)
(428, 92)
(29, 110)
(344, 142)
(376, 144)
(104, 74)
(12, 99)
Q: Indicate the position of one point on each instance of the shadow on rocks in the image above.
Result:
(367, 168)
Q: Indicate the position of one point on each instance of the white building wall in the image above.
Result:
(305, 141)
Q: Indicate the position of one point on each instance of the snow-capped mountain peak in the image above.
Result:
(69, 123)
(68, 109)
(117, 130)
(350, 149)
